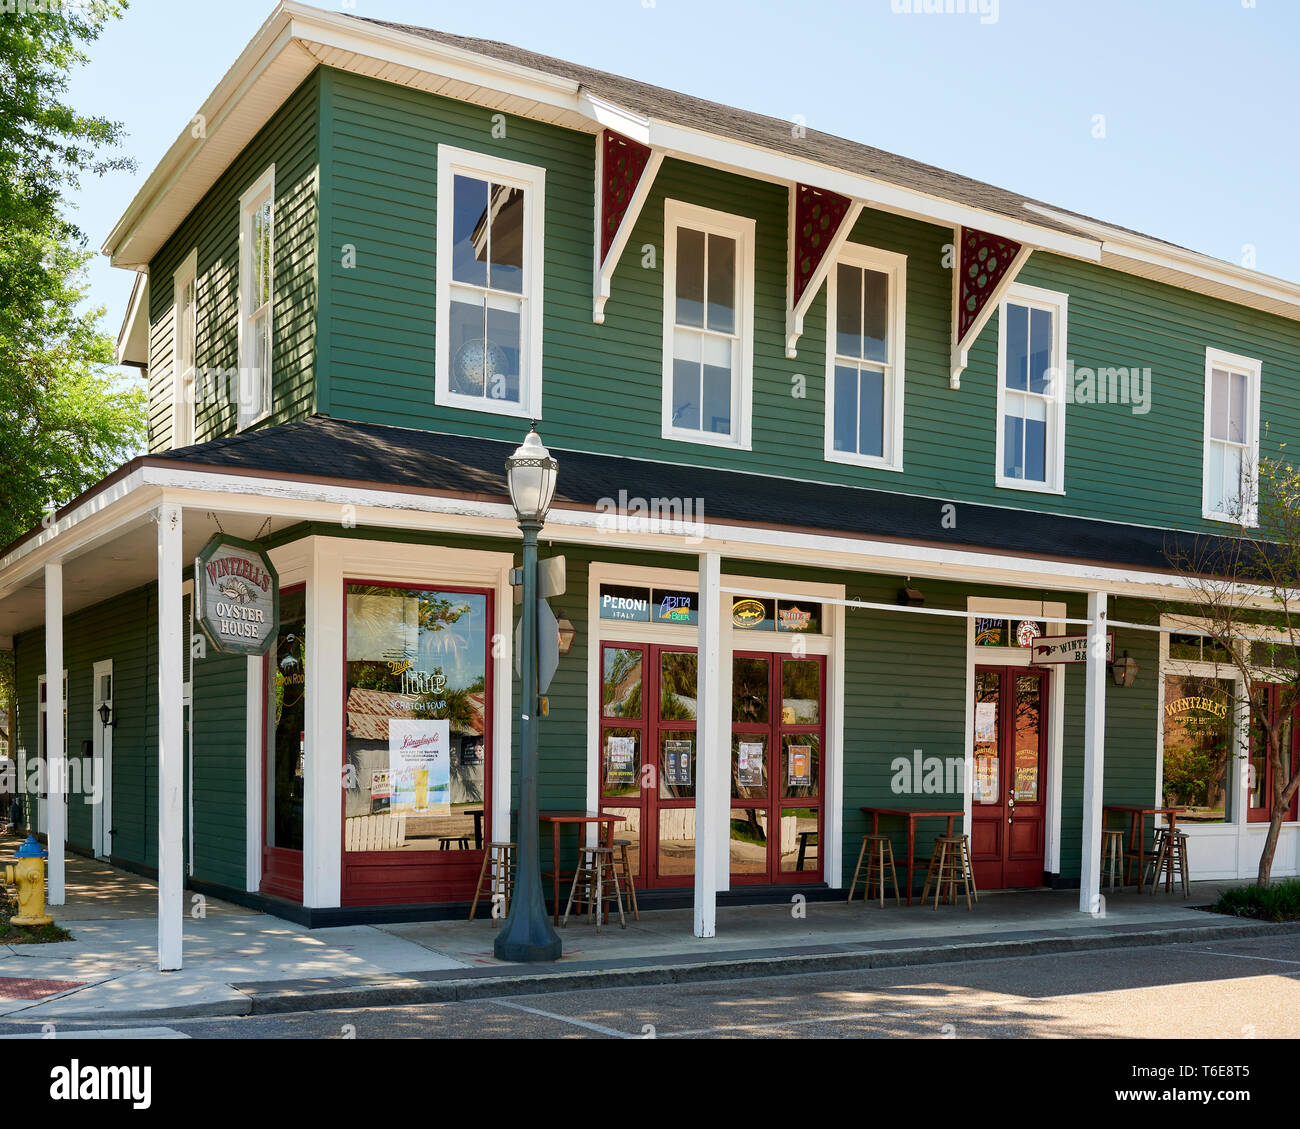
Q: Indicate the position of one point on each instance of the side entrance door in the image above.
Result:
(1008, 802)
(102, 748)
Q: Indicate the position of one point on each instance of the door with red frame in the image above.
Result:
(648, 756)
(284, 734)
(778, 730)
(1261, 779)
(1008, 802)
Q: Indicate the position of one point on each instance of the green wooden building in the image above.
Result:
(850, 448)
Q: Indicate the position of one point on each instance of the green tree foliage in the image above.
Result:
(65, 421)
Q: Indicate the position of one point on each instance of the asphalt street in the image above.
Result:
(1223, 990)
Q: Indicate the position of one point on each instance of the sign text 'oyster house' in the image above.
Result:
(237, 596)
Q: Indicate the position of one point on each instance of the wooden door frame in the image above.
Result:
(281, 869)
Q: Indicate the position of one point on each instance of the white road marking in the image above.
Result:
(1241, 956)
(566, 1019)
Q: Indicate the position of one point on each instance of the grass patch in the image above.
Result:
(1279, 902)
(11, 934)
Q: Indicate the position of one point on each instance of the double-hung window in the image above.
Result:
(708, 325)
(184, 356)
(1231, 449)
(1031, 390)
(864, 358)
(256, 295)
(490, 275)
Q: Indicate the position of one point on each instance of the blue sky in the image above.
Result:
(1201, 140)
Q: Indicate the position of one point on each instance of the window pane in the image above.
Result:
(503, 352)
(871, 415)
(1035, 449)
(677, 686)
(416, 670)
(1040, 349)
(800, 760)
(470, 367)
(284, 767)
(469, 230)
(801, 681)
(717, 386)
(799, 840)
(690, 277)
(848, 311)
(1215, 477)
(686, 380)
(1013, 447)
(1237, 409)
(875, 329)
(750, 689)
(1028, 718)
(1017, 346)
(262, 266)
(1198, 747)
(676, 841)
(1232, 472)
(749, 766)
(1219, 404)
(845, 436)
(748, 845)
(677, 764)
(621, 762)
(622, 682)
(507, 244)
(722, 284)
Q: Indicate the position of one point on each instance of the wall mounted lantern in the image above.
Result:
(1124, 671)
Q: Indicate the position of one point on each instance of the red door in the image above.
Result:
(284, 747)
(1008, 802)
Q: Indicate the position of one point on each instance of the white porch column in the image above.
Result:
(322, 831)
(56, 814)
(712, 749)
(1094, 754)
(171, 742)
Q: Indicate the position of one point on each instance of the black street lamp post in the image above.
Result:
(527, 934)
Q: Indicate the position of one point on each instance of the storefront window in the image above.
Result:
(748, 846)
(1199, 747)
(622, 680)
(287, 662)
(418, 740)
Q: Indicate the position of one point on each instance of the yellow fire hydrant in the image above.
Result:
(28, 875)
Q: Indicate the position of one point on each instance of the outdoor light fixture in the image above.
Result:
(527, 934)
(911, 597)
(530, 475)
(567, 633)
(105, 715)
(1124, 671)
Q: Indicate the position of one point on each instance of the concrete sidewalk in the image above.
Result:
(238, 962)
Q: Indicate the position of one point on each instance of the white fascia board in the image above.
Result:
(609, 116)
(1154, 253)
(751, 160)
(132, 346)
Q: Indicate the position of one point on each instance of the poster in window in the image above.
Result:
(799, 771)
(749, 764)
(419, 766)
(986, 778)
(677, 763)
(1026, 785)
(471, 751)
(620, 760)
(986, 723)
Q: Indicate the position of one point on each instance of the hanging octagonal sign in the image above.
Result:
(237, 596)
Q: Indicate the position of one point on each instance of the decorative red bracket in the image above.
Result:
(625, 172)
(820, 223)
(986, 267)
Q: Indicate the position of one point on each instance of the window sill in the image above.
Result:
(244, 425)
(1230, 519)
(705, 439)
(1027, 487)
(484, 404)
(863, 461)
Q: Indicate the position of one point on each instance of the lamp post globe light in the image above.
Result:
(527, 934)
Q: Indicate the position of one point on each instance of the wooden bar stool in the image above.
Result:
(496, 879)
(876, 851)
(1112, 853)
(1171, 860)
(625, 868)
(592, 881)
(951, 865)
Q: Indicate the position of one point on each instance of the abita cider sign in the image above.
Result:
(237, 596)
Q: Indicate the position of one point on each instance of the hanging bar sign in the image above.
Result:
(237, 596)
(1068, 649)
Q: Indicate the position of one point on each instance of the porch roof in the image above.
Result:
(333, 450)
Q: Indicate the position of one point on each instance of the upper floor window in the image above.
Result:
(184, 349)
(1231, 449)
(708, 325)
(1031, 390)
(865, 322)
(256, 294)
(490, 271)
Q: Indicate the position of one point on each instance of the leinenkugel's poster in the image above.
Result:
(800, 766)
(419, 766)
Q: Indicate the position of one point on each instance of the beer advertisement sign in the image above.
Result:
(237, 596)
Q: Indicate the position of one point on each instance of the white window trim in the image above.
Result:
(1058, 304)
(1252, 369)
(532, 179)
(895, 267)
(741, 229)
(262, 188)
(183, 405)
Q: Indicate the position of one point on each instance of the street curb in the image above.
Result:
(399, 990)
(649, 975)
